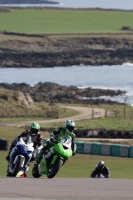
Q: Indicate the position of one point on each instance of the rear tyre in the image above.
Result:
(55, 168)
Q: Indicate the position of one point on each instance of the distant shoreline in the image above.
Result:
(95, 50)
(10, 2)
(49, 4)
(75, 4)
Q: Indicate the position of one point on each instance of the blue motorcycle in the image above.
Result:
(21, 155)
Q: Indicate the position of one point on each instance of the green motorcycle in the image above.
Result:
(61, 151)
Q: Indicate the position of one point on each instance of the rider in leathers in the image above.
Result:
(36, 138)
(100, 169)
(55, 136)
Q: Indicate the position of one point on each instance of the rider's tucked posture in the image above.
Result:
(56, 136)
(100, 169)
(36, 138)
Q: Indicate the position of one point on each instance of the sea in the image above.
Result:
(116, 77)
(106, 4)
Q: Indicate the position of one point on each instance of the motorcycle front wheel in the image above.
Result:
(18, 165)
(53, 169)
(35, 172)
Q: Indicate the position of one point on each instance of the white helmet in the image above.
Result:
(100, 163)
(69, 125)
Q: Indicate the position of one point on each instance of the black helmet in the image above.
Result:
(34, 128)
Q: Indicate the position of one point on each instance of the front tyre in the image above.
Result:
(18, 165)
(35, 172)
(52, 171)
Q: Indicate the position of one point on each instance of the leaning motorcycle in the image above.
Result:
(21, 151)
(50, 167)
(100, 176)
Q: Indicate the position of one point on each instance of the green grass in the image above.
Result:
(108, 123)
(119, 123)
(61, 113)
(14, 112)
(81, 165)
(64, 21)
(115, 122)
(9, 132)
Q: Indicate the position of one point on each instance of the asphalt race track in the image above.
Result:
(66, 188)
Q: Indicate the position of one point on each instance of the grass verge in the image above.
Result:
(112, 122)
(81, 165)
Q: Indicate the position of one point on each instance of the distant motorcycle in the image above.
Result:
(22, 150)
(100, 176)
(50, 167)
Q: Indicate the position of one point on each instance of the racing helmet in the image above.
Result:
(100, 163)
(69, 125)
(34, 128)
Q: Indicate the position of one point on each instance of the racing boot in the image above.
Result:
(37, 160)
(42, 151)
(9, 171)
(8, 156)
(9, 174)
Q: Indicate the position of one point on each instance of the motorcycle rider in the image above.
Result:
(100, 168)
(56, 136)
(36, 137)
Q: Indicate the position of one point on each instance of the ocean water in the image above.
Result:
(104, 77)
(111, 77)
(107, 4)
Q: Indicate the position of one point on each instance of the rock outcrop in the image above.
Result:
(16, 97)
(51, 92)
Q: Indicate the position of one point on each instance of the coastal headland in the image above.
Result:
(49, 37)
(50, 50)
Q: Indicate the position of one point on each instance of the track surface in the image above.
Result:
(66, 188)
